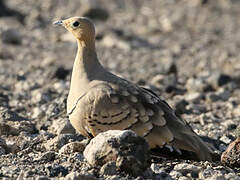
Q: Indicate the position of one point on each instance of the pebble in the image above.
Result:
(78, 176)
(54, 170)
(42, 178)
(129, 151)
(41, 96)
(62, 126)
(194, 97)
(7, 115)
(231, 156)
(73, 147)
(109, 168)
(213, 97)
(111, 41)
(47, 156)
(225, 139)
(217, 79)
(59, 141)
(196, 85)
(196, 108)
(155, 43)
(185, 169)
(175, 174)
(11, 36)
(6, 129)
(156, 169)
(61, 73)
(3, 147)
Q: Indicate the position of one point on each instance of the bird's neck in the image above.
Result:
(86, 60)
(86, 66)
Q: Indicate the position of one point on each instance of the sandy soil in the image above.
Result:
(186, 51)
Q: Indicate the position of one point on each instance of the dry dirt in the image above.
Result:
(186, 51)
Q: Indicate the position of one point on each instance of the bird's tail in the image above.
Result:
(192, 142)
(186, 139)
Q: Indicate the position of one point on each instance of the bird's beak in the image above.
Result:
(58, 23)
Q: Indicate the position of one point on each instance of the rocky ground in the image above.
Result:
(186, 51)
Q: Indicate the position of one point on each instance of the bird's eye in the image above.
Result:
(76, 24)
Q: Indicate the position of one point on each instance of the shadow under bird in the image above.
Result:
(99, 101)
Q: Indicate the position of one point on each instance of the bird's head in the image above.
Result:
(82, 28)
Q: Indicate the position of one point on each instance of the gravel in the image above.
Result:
(186, 51)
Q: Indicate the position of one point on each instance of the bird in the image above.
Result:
(99, 101)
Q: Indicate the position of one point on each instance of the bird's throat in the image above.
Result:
(86, 60)
(85, 68)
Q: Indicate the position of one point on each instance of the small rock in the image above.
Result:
(60, 86)
(194, 97)
(2, 151)
(22, 86)
(59, 141)
(231, 156)
(61, 73)
(78, 176)
(47, 156)
(6, 129)
(37, 112)
(218, 79)
(223, 94)
(232, 176)
(73, 147)
(222, 147)
(62, 126)
(170, 67)
(211, 174)
(166, 24)
(212, 97)
(225, 139)
(109, 169)
(97, 14)
(129, 151)
(158, 80)
(237, 131)
(155, 168)
(55, 109)
(26, 126)
(175, 174)
(5, 54)
(185, 168)
(196, 108)
(49, 60)
(111, 41)
(6, 11)
(42, 178)
(55, 170)
(167, 82)
(4, 100)
(170, 81)
(41, 96)
(11, 36)
(7, 115)
(196, 85)
(236, 111)
(3, 147)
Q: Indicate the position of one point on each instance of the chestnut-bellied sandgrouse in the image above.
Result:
(99, 101)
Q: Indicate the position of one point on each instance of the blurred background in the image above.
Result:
(187, 51)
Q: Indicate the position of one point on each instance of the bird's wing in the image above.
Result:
(184, 137)
(123, 105)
